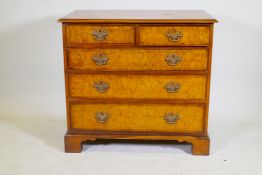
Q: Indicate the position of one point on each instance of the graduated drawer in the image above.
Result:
(174, 35)
(137, 86)
(134, 117)
(138, 59)
(95, 34)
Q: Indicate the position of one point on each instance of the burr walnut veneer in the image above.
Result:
(141, 75)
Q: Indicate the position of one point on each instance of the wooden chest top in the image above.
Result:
(139, 16)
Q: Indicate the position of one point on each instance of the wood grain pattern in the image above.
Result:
(139, 16)
(116, 34)
(137, 59)
(145, 117)
(156, 35)
(137, 86)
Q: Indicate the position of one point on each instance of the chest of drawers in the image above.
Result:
(142, 75)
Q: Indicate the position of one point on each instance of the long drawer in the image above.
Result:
(137, 86)
(138, 59)
(132, 117)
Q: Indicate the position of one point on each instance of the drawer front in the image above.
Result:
(132, 117)
(137, 59)
(137, 86)
(100, 34)
(174, 35)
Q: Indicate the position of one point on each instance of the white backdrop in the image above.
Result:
(31, 60)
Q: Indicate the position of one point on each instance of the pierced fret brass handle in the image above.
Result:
(101, 86)
(173, 59)
(174, 35)
(100, 59)
(102, 117)
(100, 34)
(172, 87)
(171, 118)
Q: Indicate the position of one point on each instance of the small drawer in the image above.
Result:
(96, 34)
(137, 86)
(137, 59)
(174, 35)
(134, 117)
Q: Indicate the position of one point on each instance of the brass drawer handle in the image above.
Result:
(171, 118)
(173, 59)
(102, 117)
(100, 59)
(100, 34)
(172, 87)
(101, 86)
(174, 35)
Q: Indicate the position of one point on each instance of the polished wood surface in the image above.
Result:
(116, 34)
(146, 117)
(156, 35)
(139, 16)
(138, 86)
(136, 70)
(121, 59)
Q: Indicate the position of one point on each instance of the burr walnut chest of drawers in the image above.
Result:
(141, 75)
